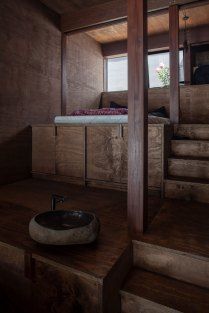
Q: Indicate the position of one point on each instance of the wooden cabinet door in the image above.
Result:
(70, 151)
(57, 290)
(105, 153)
(43, 149)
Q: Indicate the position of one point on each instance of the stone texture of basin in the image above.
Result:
(64, 227)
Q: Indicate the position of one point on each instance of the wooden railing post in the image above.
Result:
(174, 64)
(137, 119)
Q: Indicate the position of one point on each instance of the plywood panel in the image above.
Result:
(84, 73)
(194, 104)
(66, 291)
(194, 101)
(70, 151)
(43, 151)
(157, 97)
(29, 81)
(157, 24)
(155, 141)
(104, 153)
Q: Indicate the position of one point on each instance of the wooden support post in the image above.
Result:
(63, 74)
(138, 115)
(174, 64)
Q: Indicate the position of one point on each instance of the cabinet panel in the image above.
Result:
(104, 153)
(43, 151)
(70, 151)
(61, 291)
(155, 142)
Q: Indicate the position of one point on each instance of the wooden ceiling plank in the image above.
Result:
(107, 12)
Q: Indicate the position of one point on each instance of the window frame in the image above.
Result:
(126, 55)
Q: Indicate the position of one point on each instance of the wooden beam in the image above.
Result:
(160, 42)
(105, 13)
(63, 75)
(174, 63)
(187, 66)
(98, 14)
(137, 117)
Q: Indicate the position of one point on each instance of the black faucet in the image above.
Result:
(56, 199)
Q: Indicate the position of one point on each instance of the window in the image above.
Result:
(117, 74)
(155, 59)
(117, 70)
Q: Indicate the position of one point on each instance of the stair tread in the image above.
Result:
(190, 140)
(188, 179)
(188, 158)
(166, 291)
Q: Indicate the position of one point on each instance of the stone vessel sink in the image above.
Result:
(64, 227)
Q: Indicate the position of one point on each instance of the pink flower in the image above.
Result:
(162, 65)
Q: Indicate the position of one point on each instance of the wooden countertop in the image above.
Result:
(20, 201)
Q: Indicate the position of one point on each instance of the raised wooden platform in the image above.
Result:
(85, 274)
(149, 292)
(20, 201)
(171, 262)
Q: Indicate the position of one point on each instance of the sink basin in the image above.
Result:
(64, 227)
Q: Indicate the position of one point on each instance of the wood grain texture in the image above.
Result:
(12, 274)
(70, 151)
(194, 108)
(174, 63)
(29, 82)
(84, 73)
(64, 84)
(157, 97)
(93, 155)
(148, 292)
(187, 222)
(137, 117)
(187, 189)
(63, 6)
(186, 167)
(186, 267)
(190, 148)
(100, 14)
(158, 28)
(66, 291)
(192, 131)
(106, 158)
(43, 149)
(33, 196)
(193, 102)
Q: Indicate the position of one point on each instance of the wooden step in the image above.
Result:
(192, 131)
(192, 148)
(195, 168)
(144, 291)
(186, 267)
(185, 188)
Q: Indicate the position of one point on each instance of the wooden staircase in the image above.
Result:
(166, 280)
(188, 164)
(171, 261)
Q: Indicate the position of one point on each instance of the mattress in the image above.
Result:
(92, 119)
(105, 119)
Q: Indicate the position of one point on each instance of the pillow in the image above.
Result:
(114, 105)
(161, 112)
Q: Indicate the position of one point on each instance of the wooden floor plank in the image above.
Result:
(182, 226)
